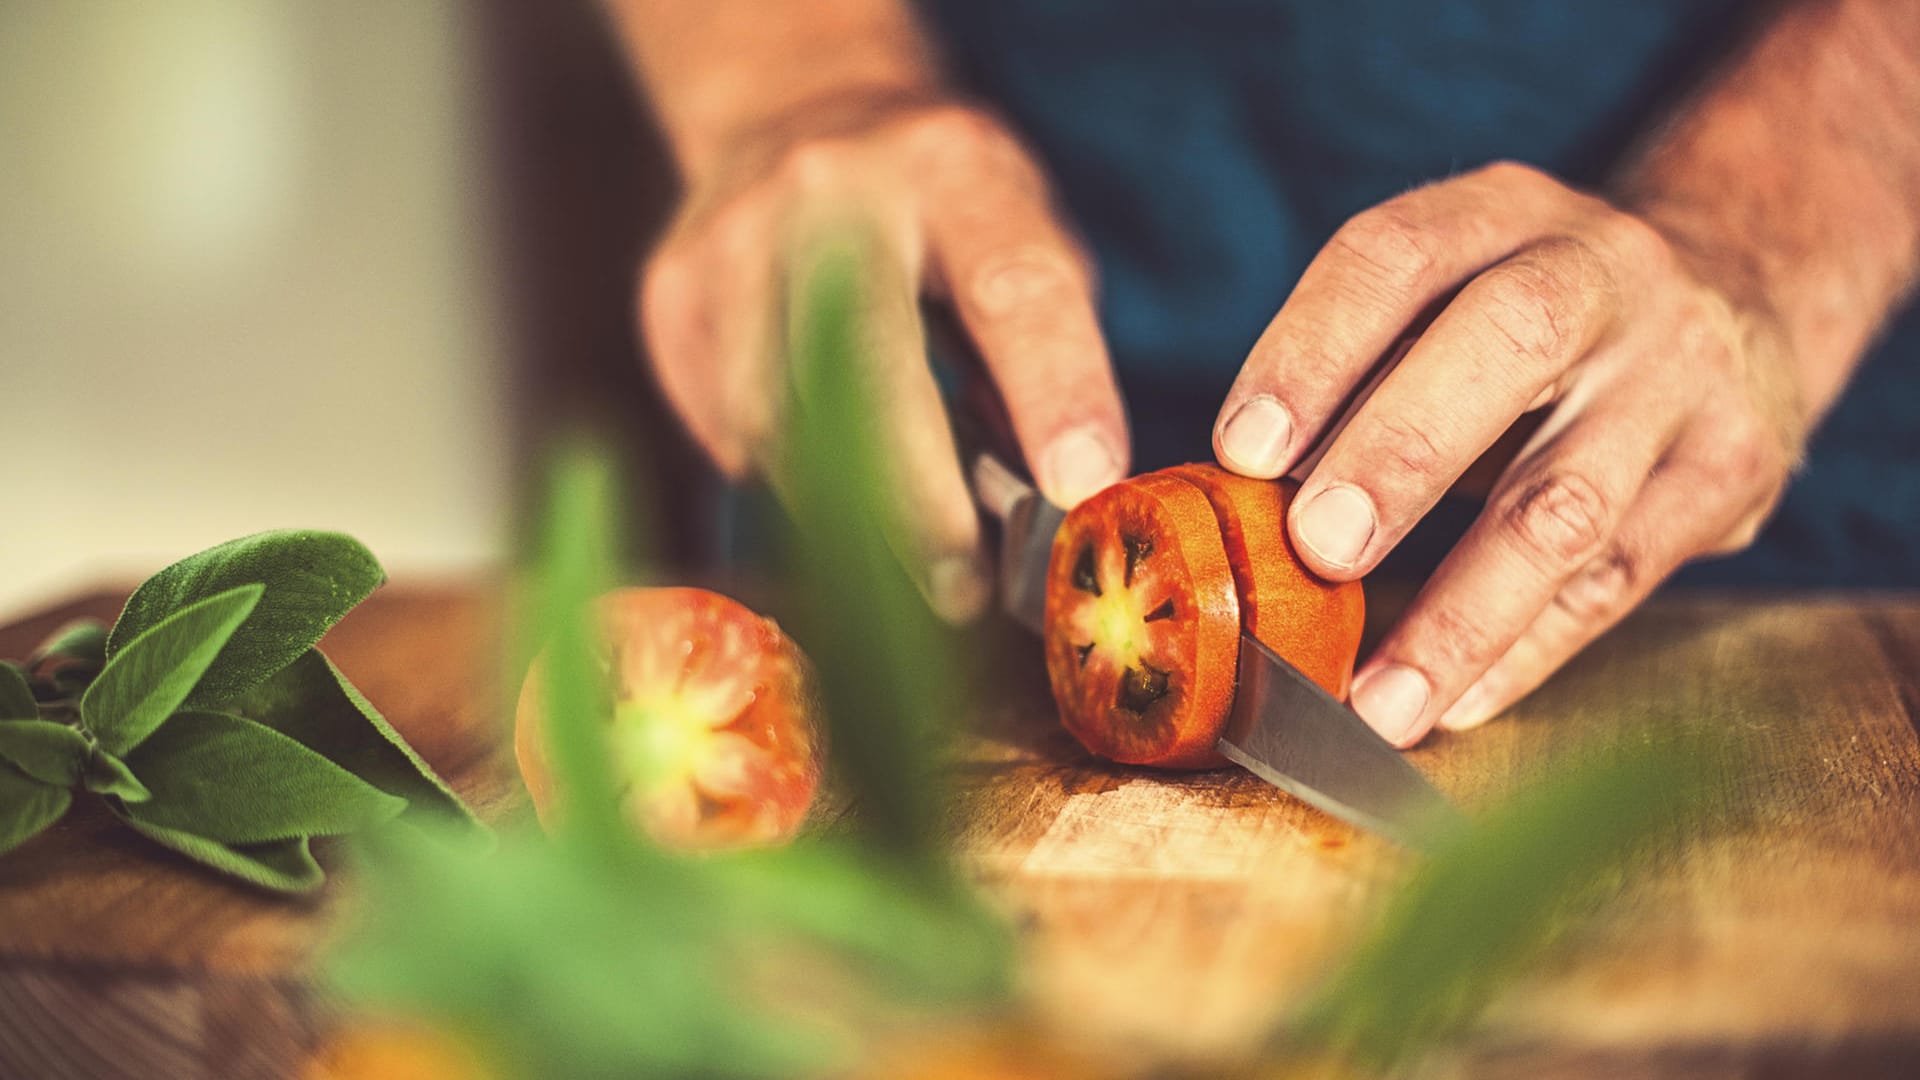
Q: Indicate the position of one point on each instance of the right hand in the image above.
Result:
(960, 212)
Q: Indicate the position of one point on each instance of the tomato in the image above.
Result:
(1313, 624)
(1143, 624)
(1148, 587)
(713, 733)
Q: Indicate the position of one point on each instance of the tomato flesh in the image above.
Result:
(1142, 624)
(713, 734)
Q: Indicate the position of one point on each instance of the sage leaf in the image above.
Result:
(152, 675)
(82, 639)
(108, 775)
(312, 703)
(312, 579)
(50, 753)
(226, 778)
(283, 865)
(16, 695)
(27, 807)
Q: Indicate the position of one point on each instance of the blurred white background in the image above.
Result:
(245, 283)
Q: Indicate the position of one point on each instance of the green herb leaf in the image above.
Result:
(885, 674)
(150, 676)
(312, 703)
(27, 807)
(82, 639)
(1504, 889)
(284, 865)
(311, 579)
(572, 966)
(108, 775)
(226, 778)
(16, 695)
(576, 560)
(50, 753)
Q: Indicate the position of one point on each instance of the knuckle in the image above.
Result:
(1410, 448)
(1601, 591)
(813, 165)
(1033, 277)
(954, 126)
(1402, 255)
(1639, 244)
(1559, 519)
(1747, 455)
(958, 144)
(1532, 311)
(1509, 172)
(1742, 535)
(1454, 641)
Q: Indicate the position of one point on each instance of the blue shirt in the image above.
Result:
(1206, 149)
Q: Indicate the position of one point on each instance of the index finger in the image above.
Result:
(1364, 290)
(1026, 298)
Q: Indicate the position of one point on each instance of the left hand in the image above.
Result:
(1676, 419)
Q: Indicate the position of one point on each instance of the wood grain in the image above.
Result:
(1163, 918)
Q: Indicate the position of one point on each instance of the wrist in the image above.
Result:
(1818, 332)
(720, 78)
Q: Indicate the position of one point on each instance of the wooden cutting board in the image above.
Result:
(1163, 918)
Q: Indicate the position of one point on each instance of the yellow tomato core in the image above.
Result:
(1116, 625)
(659, 739)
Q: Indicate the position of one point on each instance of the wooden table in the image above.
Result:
(1162, 917)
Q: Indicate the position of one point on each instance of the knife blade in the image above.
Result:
(1286, 730)
(1282, 728)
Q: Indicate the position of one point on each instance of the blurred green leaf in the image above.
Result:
(151, 675)
(16, 695)
(82, 639)
(311, 579)
(571, 966)
(887, 679)
(1517, 880)
(27, 807)
(312, 703)
(50, 753)
(229, 779)
(601, 955)
(576, 567)
(281, 865)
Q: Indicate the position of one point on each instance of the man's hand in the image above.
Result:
(1685, 338)
(790, 121)
(1675, 422)
(958, 210)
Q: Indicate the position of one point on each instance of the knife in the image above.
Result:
(1283, 727)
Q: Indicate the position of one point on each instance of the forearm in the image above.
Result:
(1797, 174)
(716, 68)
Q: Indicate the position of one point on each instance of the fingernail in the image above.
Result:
(1078, 464)
(1254, 440)
(1470, 711)
(1336, 525)
(957, 588)
(1391, 700)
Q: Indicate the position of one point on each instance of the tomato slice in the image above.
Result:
(714, 735)
(1313, 624)
(1143, 624)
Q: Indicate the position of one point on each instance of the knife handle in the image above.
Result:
(982, 429)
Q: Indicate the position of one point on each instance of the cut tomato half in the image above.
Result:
(1313, 624)
(1143, 624)
(714, 736)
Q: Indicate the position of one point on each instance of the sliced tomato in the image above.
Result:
(714, 734)
(1313, 624)
(1143, 624)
